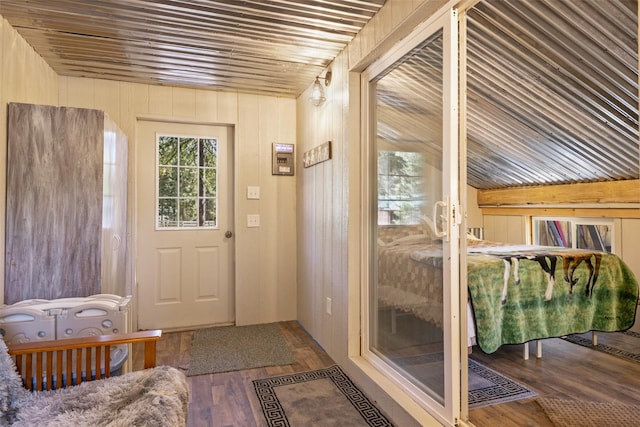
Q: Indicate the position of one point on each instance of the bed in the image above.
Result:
(518, 293)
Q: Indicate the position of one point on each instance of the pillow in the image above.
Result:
(416, 238)
(389, 233)
(10, 386)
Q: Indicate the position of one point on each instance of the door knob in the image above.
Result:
(228, 234)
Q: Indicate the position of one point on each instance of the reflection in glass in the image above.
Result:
(407, 293)
(553, 233)
(592, 236)
(564, 232)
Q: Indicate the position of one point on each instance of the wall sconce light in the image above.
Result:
(317, 92)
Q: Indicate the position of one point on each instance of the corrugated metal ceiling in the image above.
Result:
(553, 84)
(553, 92)
(272, 47)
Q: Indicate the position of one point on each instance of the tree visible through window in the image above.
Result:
(187, 182)
(400, 187)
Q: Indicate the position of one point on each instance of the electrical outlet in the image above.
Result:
(328, 305)
(253, 220)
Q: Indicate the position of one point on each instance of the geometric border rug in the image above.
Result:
(577, 413)
(622, 353)
(324, 397)
(488, 387)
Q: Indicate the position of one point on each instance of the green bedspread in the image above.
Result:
(528, 311)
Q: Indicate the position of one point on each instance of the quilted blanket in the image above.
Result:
(412, 285)
(521, 293)
(518, 293)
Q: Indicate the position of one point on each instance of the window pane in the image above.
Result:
(552, 233)
(400, 187)
(168, 213)
(383, 188)
(209, 153)
(592, 236)
(167, 182)
(168, 151)
(188, 152)
(208, 207)
(383, 163)
(188, 182)
(188, 213)
(208, 182)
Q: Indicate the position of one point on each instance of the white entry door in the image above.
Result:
(184, 225)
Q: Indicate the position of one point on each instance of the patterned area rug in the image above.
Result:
(621, 344)
(327, 397)
(577, 413)
(233, 348)
(320, 398)
(488, 387)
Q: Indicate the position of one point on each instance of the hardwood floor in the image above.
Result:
(227, 399)
(566, 371)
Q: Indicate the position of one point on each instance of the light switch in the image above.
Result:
(253, 193)
(253, 220)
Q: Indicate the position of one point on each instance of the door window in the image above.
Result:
(186, 182)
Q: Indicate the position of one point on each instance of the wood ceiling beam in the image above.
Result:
(627, 191)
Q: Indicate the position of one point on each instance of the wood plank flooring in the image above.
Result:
(228, 399)
(566, 371)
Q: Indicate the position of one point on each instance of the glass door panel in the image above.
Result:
(412, 295)
(408, 312)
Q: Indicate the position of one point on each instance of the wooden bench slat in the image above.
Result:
(80, 346)
(63, 344)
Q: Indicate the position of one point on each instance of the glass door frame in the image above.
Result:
(449, 413)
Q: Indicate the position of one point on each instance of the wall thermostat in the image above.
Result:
(282, 159)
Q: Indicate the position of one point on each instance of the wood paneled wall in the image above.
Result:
(265, 256)
(328, 209)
